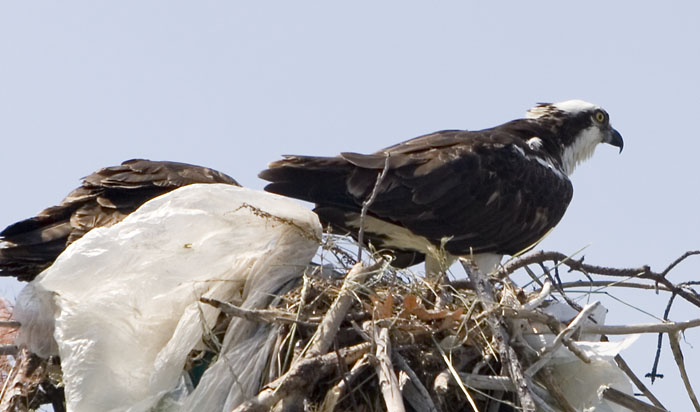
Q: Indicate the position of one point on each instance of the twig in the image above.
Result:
(608, 284)
(509, 359)
(388, 383)
(629, 402)
(339, 389)
(487, 382)
(644, 272)
(10, 324)
(367, 203)
(575, 324)
(679, 260)
(255, 315)
(641, 328)
(659, 342)
(300, 377)
(678, 356)
(440, 380)
(427, 401)
(552, 323)
(326, 331)
(622, 364)
(541, 297)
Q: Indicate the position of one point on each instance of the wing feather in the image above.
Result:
(104, 198)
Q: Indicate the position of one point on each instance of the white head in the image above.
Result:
(578, 127)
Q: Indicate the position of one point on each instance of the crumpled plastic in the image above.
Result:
(581, 382)
(121, 305)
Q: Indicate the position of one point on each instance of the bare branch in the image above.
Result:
(367, 203)
(427, 401)
(644, 272)
(326, 331)
(679, 260)
(678, 356)
(388, 382)
(669, 327)
(509, 359)
(337, 391)
(297, 379)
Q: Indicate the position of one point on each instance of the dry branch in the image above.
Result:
(643, 272)
(509, 358)
(678, 356)
(388, 382)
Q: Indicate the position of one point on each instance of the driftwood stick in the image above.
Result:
(388, 382)
(334, 395)
(609, 284)
(552, 322)
(665, 327)
(325, 333)
(509, 359)
(427, 401)
(297, 379)
(487, 382)
(678, 356)
(668, 327)
(545, 292)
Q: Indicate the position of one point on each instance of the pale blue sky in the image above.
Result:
(233, 85)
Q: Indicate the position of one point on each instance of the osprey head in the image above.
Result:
(578, 127)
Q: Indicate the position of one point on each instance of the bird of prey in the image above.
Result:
(104, 198)
(483, 194)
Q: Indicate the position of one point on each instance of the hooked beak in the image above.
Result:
(613, 137)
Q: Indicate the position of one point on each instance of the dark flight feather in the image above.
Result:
(104, 198)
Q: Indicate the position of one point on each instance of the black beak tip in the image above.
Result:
(616, 139)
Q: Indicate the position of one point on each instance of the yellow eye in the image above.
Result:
(600, 117)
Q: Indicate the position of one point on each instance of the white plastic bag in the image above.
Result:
(125, 299)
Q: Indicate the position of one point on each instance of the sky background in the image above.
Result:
(234, 85)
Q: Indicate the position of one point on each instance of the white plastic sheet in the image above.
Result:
(580, 382)
(122, 303)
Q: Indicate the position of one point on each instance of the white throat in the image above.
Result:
(583, 147)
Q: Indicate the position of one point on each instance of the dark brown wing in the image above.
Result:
(486, 191)
(104, 198)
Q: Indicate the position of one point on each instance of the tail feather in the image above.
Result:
(321, 180)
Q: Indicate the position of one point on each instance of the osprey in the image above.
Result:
(104, 198)
(454, 193)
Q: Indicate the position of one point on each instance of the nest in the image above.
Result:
(374, 338)
(380, 339)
